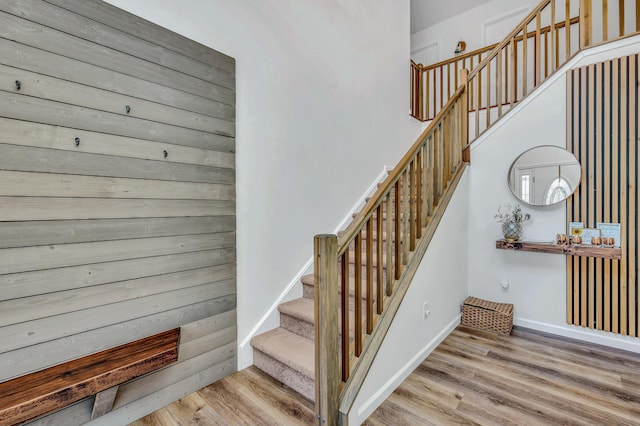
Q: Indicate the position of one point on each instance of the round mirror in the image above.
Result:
(544, 175)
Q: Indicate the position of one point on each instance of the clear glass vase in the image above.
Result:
(512, 231)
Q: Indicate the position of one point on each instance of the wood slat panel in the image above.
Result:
(45, 38)
(28, 159)
(38, 135)
(138, 27)
(129, 231)
(37, 233)
(25, 184)
(55, 89)
(46, 329)
(606, 104)
(28, 58)
(25, 284)
(38, 208)
(27, 108)
(51, 304)
(26, 360)
(78, 26)
(33, 258)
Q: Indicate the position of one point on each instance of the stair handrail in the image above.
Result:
(406, 208)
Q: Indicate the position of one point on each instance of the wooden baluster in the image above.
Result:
(567, 29)
(405, 217)
(357, 295)
(455, 74)
(536, 47)
(418, 194)
(605, 20)
(412, 205)
(326, 328)
(344, 315)
(621, 17)
(424, 185)
(637, 19)
(553, 35)
(464, 122)
(441, 69)
(524, 60)
(391, 236)
(448, 81)
(499, 83)
(435, 98)
(477, 104)
(398, 231)
(585, 24)
(379, 260)
(369, 297)
(488, 111)
(413, 90)
(514, 72)
(426, 93)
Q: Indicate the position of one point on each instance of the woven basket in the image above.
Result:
(485, 315)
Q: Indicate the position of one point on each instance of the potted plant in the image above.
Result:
(511, 218)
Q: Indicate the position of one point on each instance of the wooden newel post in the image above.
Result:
(327, 336)
(464, 119)
(585, 24)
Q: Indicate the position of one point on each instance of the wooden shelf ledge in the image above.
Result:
(566, 249)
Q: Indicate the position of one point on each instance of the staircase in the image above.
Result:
(287, 353)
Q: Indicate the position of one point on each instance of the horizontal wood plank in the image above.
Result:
(206, 326)
(51, 304)
(44, 232)
(25, 284)
(28, 159)
(45, 38)
(29, 184)
(55, 89)
(32, 258)
(148, 385)
(78, 26)
(25, 360)
(28, 58)
(38, 135)
(38, 393)
(46, 329)
(22, 107)
(204, 344)
(38, 208)
(135, 26)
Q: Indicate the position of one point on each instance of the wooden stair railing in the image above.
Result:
(393, 229)
(555, 31)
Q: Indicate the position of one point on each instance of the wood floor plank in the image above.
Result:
(472, 378)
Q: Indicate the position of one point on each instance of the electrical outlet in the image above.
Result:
(505, 284)
(425, 310)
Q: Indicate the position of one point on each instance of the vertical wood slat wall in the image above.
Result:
(117, 197)
(602, 132)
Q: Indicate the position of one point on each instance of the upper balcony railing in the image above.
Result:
(544, 41)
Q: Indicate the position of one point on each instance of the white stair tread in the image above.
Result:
(288, 348)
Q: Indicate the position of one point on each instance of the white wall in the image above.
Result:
(441, 280)
(322, 106)
(483, 25)
(536, 281)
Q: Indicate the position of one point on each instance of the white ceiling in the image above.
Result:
(425, 13)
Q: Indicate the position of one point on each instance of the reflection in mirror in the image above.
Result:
(544, 175)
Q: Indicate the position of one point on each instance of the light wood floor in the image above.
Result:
(473, 377)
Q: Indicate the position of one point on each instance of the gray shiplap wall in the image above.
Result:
(131, 231)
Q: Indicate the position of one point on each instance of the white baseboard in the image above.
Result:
(271, 318)
(627, 343)
(383, 393)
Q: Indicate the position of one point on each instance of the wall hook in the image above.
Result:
(165, 153)
(127, 108)
(77, 141)
(18, 84)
